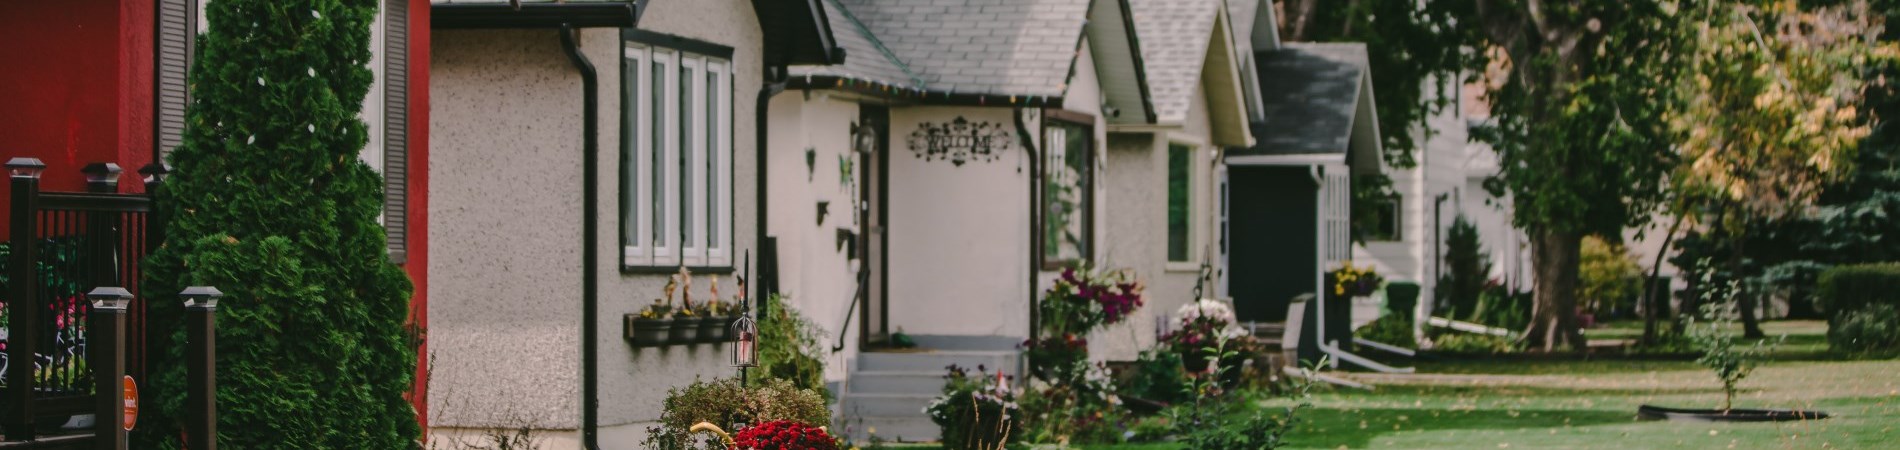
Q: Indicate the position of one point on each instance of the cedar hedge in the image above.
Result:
(272, 205)
(1863, 307)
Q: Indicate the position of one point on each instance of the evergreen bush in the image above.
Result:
(1467, 269)
(272, 205)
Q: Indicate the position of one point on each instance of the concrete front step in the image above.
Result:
(937, 361)
(886, 405)
(896, 382)
(893, 429)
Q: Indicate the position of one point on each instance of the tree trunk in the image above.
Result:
(1653, 300)
(1554, 258)
(1297, 14)
(1751, 326)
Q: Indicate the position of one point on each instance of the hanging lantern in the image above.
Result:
(745, 334)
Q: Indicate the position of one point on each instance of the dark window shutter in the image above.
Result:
(396, 127)
(177, 30)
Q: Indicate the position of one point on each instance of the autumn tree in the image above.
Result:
(1769, 114)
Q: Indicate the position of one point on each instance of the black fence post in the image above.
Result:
(201, 367)
(102, 229)
(105, 342)
(155, 174)
(23, 337)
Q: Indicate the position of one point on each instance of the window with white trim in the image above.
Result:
(676, 158)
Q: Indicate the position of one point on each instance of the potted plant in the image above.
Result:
(716, 324)
(651, 326)
(686, 319)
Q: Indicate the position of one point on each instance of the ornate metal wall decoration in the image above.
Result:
(960, 141)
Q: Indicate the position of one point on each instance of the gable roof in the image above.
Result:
(1185, 44)
(1318, 102)
(1000, 48)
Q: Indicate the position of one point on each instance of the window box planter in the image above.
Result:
(715, 329)
(645, 332)
(685, 330)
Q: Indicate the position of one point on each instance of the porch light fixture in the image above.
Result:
(745, 333)
(201, 296)
(109, 297)
(25, 167)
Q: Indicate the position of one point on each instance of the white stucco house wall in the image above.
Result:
(528, 331)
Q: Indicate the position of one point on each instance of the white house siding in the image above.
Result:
(505, 330)
(817, 275)
(959, 234)
(1440, 170)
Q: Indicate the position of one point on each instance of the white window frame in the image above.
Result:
(637, 251)
(1197, 204)
(707, 142)
(719, 246)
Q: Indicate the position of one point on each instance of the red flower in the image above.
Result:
(784, 435)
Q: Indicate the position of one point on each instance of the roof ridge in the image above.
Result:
(878, 43)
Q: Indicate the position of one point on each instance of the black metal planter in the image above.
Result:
(1647, 412)
(715, 329)
(685, 330)
(646, 332)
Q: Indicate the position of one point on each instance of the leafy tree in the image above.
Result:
(1769, 115)
(1575, 92)
(1467, 269)
(272, 205)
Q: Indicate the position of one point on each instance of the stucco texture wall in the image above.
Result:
(815, 273)
(506, 201)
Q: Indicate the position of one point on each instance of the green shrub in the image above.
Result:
(788, 348)
(1873, 328)
(976, 411)
(1475, 343)
(272, 204)
(725, 403)
(1391, 329)
(1860, 302)
(1157, 376)
(1467, 269)
(1608, 280)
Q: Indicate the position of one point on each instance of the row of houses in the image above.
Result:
(923, 167)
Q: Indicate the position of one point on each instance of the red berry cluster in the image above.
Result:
(784, 435)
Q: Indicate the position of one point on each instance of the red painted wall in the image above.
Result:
(418, 252)
(76, 87)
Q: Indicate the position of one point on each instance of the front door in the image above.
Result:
(1273, 239)
(872, 137)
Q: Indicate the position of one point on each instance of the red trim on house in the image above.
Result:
(76, 87)
(417, 263)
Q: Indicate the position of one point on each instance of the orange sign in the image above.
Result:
(131, 403)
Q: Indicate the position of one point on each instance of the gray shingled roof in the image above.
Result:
(1311, 92)
(1174, 38)
(1003, 47)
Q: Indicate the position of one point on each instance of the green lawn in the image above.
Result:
(1592, 404)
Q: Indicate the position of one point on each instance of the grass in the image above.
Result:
(1592, 404)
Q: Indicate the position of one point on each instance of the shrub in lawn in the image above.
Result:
(1860, 301)
(1872, 328)
(1392, 329)
(1455, 342)
(1608, 279)
(725, 403)
(977, 411)
(273, 205)
(1466, 269)
(788, 348)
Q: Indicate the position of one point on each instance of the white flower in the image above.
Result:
(252, 140)
(314, 13)
(1210, 308)
(313, 71)
(260, 81)
(312, 128)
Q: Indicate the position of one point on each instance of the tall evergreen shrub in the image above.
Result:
(271, 204)
(1467, 269)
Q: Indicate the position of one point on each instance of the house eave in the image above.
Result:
(473, 16)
